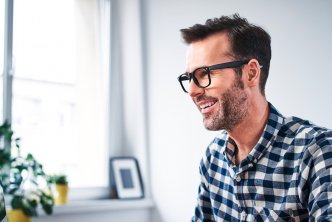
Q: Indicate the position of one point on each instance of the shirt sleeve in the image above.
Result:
(203, 210)
(320, 180)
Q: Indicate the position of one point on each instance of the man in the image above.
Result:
(263, 166)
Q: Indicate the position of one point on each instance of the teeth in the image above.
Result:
(206, 105)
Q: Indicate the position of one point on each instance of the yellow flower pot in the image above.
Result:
(17, 216)
(62, 194)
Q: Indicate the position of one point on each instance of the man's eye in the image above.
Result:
(201, 74)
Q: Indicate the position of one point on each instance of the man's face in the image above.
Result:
(223, 104)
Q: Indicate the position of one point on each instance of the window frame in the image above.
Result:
(8, 61)
(86, 193)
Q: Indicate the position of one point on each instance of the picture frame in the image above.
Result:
(125, 178)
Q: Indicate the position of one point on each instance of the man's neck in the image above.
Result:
(247, 133)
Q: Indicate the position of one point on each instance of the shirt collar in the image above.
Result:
(272, 127)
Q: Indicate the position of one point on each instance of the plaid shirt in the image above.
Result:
(286, 176)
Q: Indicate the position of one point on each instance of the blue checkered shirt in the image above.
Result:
(286, 176)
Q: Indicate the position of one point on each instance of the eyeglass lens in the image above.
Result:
(200, 77)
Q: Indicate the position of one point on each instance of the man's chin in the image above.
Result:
(209, 125)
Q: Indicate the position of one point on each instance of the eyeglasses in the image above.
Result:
(202, 75)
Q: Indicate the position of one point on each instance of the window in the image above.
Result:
(60, 86)
(2, 41)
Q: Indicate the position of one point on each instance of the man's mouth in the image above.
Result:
(207, 107)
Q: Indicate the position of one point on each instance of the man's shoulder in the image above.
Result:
(297, 128)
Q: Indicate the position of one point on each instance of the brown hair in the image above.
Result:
(247, 41)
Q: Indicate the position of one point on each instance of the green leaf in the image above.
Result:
(16, 202)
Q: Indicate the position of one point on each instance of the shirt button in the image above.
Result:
(238, 178)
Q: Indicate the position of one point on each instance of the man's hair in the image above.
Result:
(247, 41)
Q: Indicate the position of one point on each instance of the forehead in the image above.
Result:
(209, 51)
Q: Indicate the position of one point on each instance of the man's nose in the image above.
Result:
(194, 90)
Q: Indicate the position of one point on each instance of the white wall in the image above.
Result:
(300, 83)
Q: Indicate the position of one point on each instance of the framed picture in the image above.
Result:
(125, 178)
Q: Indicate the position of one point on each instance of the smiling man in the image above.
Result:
(263, 166)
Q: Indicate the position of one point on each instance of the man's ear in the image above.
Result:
(252, 73)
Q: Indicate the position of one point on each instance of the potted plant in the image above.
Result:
(2, 206)
(23, 180)
(24, 205)
(61, 187)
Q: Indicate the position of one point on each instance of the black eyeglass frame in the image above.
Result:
(188, 76)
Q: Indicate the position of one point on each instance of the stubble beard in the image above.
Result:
(233, 108)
